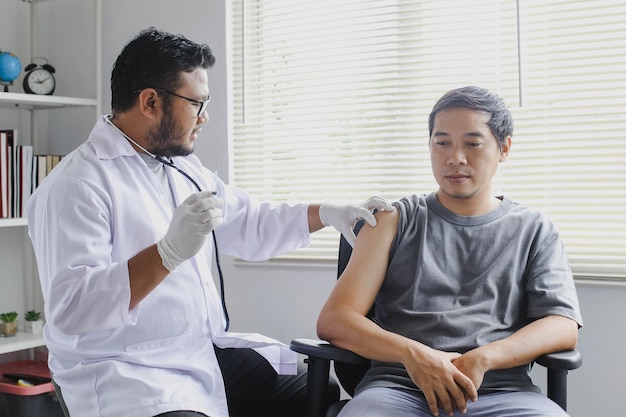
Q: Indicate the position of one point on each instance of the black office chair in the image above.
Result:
(350, 367)
(57, 391)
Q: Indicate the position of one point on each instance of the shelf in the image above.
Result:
(12, 222)
(21, 341)
(35, 102)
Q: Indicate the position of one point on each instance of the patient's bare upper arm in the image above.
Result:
(360, 282)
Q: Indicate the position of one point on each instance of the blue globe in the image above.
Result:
(10, 67)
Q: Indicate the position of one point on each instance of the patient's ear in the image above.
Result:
(505, 148)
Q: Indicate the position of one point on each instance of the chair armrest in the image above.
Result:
(558, 364)
(324, 350)
(320, 353)
(566, 360)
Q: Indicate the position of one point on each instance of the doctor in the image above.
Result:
(121, 231)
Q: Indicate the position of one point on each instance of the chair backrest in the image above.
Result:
(349, 374)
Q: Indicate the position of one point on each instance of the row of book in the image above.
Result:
(20, 173)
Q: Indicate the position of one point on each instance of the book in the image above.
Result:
(8, 184)
(26, 167)
(21, 172)
(55, 160)
(33, 174)
(42, 171)
(48, 164)
(17, 173)
(4, 175)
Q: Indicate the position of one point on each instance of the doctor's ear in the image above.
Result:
(147, 102)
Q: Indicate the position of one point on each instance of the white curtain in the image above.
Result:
(331, 100)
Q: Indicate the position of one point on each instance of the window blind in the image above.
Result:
(331, 101)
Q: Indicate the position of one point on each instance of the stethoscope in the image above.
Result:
(170, 163)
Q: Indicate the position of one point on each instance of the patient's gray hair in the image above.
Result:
(477, 99)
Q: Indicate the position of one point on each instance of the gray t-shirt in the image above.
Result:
(456, 282)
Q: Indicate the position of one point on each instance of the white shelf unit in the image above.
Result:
(34, 28)
(21, 341)
(32, 102)
(18, 221)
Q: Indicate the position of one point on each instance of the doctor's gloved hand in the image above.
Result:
(193, 220)
(343, 218)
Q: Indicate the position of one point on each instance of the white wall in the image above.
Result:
(200, 20)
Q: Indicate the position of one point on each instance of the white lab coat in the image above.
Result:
(100, 206)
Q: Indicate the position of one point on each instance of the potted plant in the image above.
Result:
(8, 325)
(33, 322)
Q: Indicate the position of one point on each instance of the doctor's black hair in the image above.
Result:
(154, 58)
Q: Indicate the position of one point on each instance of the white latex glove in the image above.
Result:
(193, 220)
(343, 218)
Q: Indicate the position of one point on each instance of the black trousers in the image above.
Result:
(253, 389)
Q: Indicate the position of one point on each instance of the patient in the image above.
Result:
(468, 288)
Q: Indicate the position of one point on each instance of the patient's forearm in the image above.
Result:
(545, 335)
(354, 332)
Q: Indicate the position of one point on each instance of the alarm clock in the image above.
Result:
(39, 78)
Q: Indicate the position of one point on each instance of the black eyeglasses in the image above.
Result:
(202, 104)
